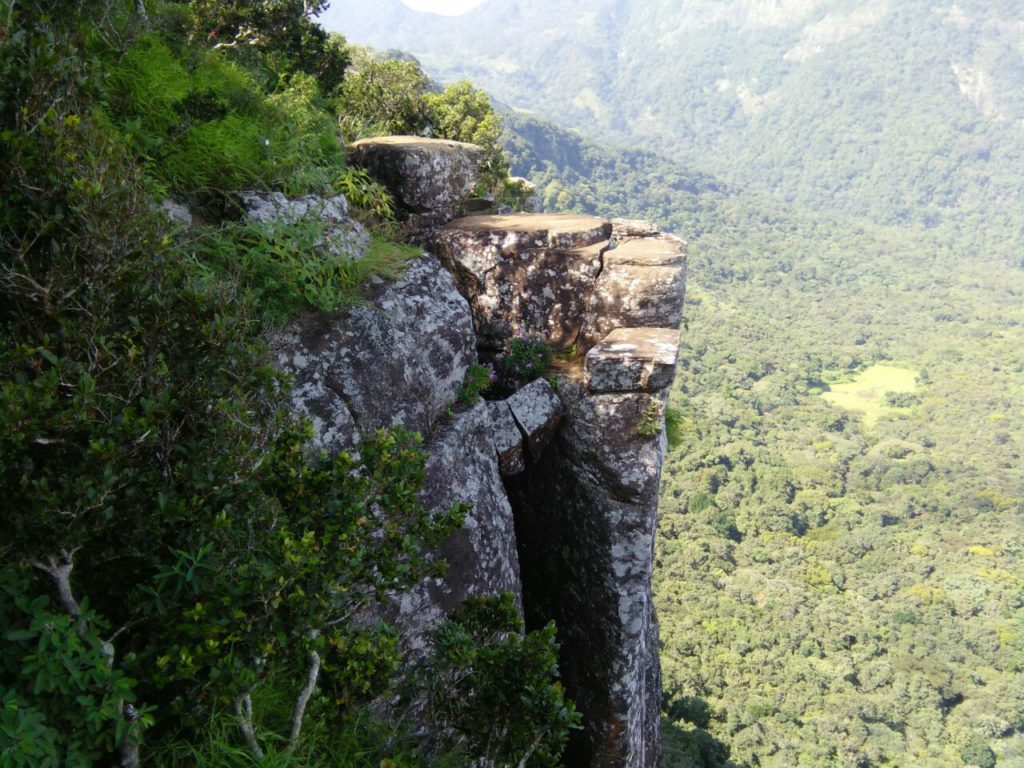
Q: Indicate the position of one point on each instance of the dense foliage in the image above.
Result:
(181, 580)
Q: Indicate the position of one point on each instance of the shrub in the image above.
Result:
(202, 123)
(479, 379)
(494, 690)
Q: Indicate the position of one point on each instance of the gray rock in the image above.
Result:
(398, 360)
(642, 284)
(508, 439)
(343, 236)
(428, 177)
(275, 206)
(632, 360)
(177, 213)
(537, 410)
(481, 556)
(631, 228)
(526, 274)
(586, 518)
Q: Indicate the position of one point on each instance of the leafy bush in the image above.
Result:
(280, 38)
(381, 96)
(494, 690)
(365, 193)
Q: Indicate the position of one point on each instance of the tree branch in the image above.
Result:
(243, 708)
(300, 704)
(60, 573)
(533, 747)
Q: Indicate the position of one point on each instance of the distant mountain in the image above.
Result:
(909, 111)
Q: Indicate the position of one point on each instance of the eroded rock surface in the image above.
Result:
(398, 360)
(632, 359)
(428, 177)
(527, 274)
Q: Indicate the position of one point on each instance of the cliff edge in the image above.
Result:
(563, 480)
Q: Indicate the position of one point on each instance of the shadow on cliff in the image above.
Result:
(685, 745)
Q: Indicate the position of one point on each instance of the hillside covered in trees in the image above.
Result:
(840, 578)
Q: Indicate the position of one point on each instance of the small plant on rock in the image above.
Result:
(650, 420)
(525, 358)
(479, 378)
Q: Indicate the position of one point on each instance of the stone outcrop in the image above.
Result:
(563, 481)
(428, 177)
(342, 236)
(585, 522)
(586, 514)
(528, 274)
(398, 360)
(641, 285)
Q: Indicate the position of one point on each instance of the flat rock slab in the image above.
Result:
(527, 274)
(428, 177)
(642, 285)
(537, 410)
(632, 360)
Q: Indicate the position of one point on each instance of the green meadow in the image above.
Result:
(866, 394)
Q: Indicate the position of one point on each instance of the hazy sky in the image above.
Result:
(444, 7)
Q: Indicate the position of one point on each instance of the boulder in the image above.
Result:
(429, 178)
(537, 410)
(508, 439)
(342, 237)
(398, 360)
(176, 213)
(632, 360)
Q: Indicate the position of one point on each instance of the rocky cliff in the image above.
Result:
(562, 479)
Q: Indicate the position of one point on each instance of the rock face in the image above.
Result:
(398, 360)
(428, 177)
(585, 522)
(528, 274)
(586, 513)
(482, 556)
(563, 482)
